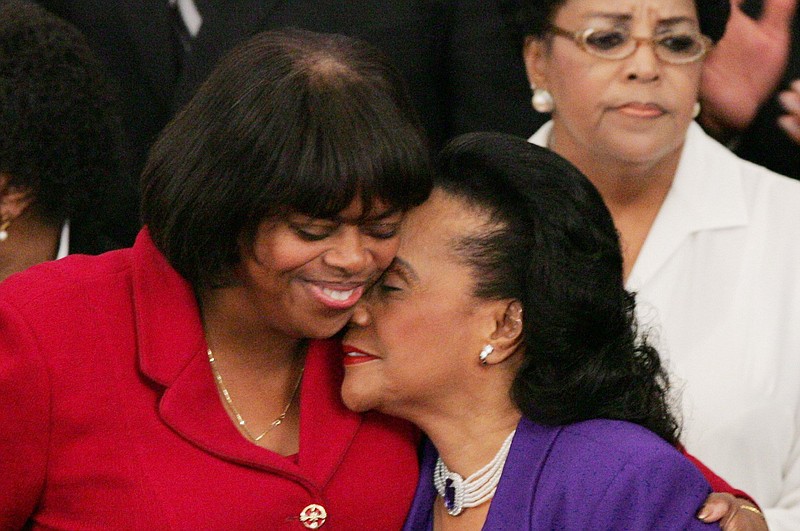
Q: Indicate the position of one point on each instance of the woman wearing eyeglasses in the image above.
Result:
(711, 243)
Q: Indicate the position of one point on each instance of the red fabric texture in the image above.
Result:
(717, 483)
(110, 419)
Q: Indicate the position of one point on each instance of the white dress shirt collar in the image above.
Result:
(63, 243)
(687, 209)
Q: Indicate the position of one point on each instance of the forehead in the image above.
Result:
(432, 228)
(651, 10)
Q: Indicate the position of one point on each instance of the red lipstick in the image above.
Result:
(356, 356)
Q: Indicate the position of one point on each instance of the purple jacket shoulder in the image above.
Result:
(598, 474)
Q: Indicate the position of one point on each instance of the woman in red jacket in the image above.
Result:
(173, 385)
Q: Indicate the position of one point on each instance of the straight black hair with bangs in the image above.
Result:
(289, 121)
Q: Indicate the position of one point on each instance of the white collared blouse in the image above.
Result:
(718, 283)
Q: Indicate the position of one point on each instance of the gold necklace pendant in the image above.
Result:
(239, 420)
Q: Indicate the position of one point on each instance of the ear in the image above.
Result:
(508, 332)
(14, 200)
(534, 53)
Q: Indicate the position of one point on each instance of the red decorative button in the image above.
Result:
(313, 516)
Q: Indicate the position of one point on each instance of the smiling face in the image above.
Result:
(304, 275)
(414, 340)
(632, 111)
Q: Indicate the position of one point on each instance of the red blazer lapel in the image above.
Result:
(172, 353)
(327, 427)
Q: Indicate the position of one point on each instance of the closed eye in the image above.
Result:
(392, 280)
(387, 288)
(311, 236)
(382, 231)
(313, 232)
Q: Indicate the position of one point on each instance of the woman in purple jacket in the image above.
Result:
(504, 331)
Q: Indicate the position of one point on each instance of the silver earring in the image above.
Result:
(488, 349)
(542, 101)
(696, 110)
(4, 230)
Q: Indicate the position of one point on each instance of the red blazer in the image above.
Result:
(110, 419)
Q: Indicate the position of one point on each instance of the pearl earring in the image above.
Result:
(696, 110)
(4, 230)
(542, 101)
(488, 349)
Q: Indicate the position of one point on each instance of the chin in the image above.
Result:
(353, 402)
(645, 148)
(324, 328)
(354, 397)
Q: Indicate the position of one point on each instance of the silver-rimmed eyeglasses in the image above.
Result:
(674, 47)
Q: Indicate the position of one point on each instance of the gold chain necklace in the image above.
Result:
(242, 424)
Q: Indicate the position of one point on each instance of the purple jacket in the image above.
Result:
(598, 474)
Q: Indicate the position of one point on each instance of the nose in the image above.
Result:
(349, 252)
(361, 316)
(643, 64)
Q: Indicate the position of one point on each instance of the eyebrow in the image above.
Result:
(404, 268)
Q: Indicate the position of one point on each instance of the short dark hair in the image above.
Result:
(60, 134)
(551, 244)
(289, 121)
(533, 17)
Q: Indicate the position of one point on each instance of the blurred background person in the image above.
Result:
(746, 88)
(790, 121)
(503, 330)
(463, 73)
(711, 242)
(60, 151)
(185, 383)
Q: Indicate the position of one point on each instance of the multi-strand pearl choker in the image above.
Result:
(459, 493)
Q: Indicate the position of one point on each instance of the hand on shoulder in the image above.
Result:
(733, 514)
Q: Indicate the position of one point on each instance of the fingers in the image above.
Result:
(716, 507)
(732, 514)
(745, 518)
(778, 14)
(790, 100)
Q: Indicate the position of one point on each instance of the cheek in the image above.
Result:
(432, 327)
(399, 329)
(579, 93)
(689, 85)
(282, 257)
(575, 78)
(384, 251)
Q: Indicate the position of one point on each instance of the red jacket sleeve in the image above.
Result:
(24, 420)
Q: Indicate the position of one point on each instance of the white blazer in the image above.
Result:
(718, 283)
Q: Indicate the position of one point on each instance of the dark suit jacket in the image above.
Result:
(464, 72)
